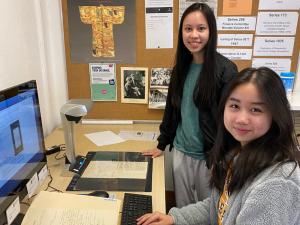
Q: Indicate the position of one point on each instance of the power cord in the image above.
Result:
(62, 149)
(49, 185)
(51, 150)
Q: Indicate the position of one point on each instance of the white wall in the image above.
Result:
(32, 47)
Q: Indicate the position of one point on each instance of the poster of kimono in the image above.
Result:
(102, 31)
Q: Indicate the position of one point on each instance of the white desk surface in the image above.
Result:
(83, 145)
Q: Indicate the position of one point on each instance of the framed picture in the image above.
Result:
(157, 98)
(134, 85)
(160, 77)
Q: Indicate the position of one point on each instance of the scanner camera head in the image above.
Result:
(75, 109)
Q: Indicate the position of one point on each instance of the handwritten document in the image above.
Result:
(52, 208)
(116, 169)
(68, 216)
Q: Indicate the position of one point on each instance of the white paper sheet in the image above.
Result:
(42, 175)
(32, 185)
(273, 46)
(278, 65)
(276, 23)
(279, 4)
(138, 135)
(242, 23)
(104, 138)
(13, 210)
(236, 53)
(235, 39)
(116, 169)
(159, 23)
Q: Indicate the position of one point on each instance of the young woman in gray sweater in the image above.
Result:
(255, 161)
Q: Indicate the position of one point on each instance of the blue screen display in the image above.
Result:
(21, 139)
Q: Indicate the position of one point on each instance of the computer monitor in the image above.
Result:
(21, 142)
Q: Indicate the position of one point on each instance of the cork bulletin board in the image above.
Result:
(78, 73)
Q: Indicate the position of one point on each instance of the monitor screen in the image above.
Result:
(21, 141)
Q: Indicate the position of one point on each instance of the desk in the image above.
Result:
(83, 145)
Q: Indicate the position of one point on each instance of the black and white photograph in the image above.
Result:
(134, 88)
(160, 77)
(158, 98)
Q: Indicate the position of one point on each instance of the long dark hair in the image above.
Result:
(278, 145)
(205, 90)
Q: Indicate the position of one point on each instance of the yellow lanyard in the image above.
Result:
(223, 201)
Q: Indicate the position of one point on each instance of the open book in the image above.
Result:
(53, 208)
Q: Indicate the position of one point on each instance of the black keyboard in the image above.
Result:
(134, 206)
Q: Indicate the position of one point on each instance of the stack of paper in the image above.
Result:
(53, 208)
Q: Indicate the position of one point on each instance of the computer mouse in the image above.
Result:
(102, 194)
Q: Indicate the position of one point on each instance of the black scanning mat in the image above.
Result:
(125, 182)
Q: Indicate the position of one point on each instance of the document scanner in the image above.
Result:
(71, 113)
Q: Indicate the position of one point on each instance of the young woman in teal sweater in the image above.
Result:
(189, 124)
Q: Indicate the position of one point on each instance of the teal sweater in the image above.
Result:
(273, 198)
(189, 139)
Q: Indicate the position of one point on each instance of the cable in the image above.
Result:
(62, 148)
(58, 158)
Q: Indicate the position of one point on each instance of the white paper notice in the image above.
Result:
(138, 135)
(235, 39)
(159, 23)
(43, 174)
(273, 46)
(116, 169)
(276, 23)
(236, 23)
(13, 210)
(278, 65)
(32, 185)
(236, 53)
(279, 4)
(104, 138)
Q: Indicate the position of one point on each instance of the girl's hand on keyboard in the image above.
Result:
(156, 217)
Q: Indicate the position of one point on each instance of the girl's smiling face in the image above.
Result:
(246, 116)
(195, 33)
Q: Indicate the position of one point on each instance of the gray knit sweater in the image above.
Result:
(273, 198)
